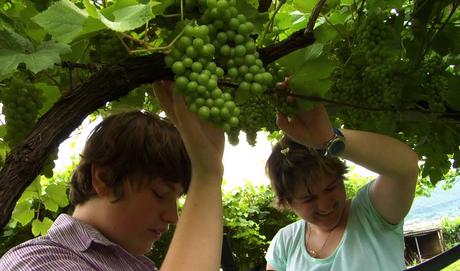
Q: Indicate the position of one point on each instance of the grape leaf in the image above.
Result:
(23, 213)
(51, 93)
(41, 227)
(339, 17)
(325, 33)
(347, 2)
(90, 8)
(65, 21)
(33, 191)
(160, 7)
(310, 71)
(57, 192)
(127, 18)
(43, 57)
(49, 203)
(309, 59)
(304, 6)
(12, 41)
(134, 100)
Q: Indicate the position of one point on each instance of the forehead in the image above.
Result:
(313, 186)
(159, 183)
(175, 187)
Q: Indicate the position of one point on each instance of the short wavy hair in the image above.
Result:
(290, 163)
(135, 146)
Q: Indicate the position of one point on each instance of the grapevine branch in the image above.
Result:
(314, 16)
(383, 109)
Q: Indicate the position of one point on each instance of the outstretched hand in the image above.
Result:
(204, 142)
(311, 128)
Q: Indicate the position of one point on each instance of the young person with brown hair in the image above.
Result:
(336, 233)
(133, 168)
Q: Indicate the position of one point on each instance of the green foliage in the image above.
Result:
(251, 222)
(451, 231)
(35, 211)
(453, 267)
(353, 182)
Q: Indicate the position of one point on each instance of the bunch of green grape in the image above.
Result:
(434, 86)
(370, 78)
(218, 48)
(374, 35)
(196, 76)
(257, 113)
(21, 104)
(108, 49)
(280, 95)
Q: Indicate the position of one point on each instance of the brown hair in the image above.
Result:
(134, 145)
(291, 162)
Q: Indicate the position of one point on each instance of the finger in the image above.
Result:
(282, 121)
(164, 93)
(294, 127)
(281, 85)
(188, 122)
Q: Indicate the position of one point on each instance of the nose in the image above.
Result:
(325, 204)
(169, 214)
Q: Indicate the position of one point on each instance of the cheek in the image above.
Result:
(339, 193)
(303, 209)
(135, 214)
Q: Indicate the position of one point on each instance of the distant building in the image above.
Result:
(422, 242)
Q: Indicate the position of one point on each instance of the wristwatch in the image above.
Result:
(336, 145)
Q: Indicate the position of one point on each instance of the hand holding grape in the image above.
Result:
(203, 141)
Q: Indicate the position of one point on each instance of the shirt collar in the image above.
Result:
(75, 234)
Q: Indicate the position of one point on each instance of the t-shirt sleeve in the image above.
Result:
(276, 254)
(42, 258)
(365, 207)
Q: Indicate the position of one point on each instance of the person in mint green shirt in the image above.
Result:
(337, 233)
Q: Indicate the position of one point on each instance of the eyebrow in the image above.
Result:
(334, 181)
(309, 195)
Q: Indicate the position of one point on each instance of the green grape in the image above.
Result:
(219, 47)
(107, 48)
(21, 103)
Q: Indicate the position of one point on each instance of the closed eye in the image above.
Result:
(330, 188)
(156, 194)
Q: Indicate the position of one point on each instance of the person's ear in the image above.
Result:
(99, 180)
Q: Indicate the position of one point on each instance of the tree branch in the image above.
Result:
(314, 16)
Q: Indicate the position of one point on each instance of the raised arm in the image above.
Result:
(393, 191)
(197, 241)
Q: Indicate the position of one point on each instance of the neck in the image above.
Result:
(88, 212)
(326, 230)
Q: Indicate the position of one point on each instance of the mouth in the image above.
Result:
(156, 233)
(324, 214)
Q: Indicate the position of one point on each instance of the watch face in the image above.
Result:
(336, 147)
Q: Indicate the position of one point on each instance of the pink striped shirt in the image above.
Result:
(72, 245)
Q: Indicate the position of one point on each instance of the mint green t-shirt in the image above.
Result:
(369, 243)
